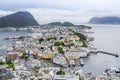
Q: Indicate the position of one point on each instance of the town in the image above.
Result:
(51, 53)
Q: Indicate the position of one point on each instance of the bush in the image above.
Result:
(80, 78)
(61, 72)
(72, 44)
(80, 35)
(40, 40)
(11, 65)
(84, 44)
(58, 43)
(51, 38)
(1, 63)
(61, 37)
(24, 57)
(8, 63)
(60, 50)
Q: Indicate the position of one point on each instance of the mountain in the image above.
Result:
(61, 24)
(105, 20)
(67, 24)
(18, 19)
(55, 23)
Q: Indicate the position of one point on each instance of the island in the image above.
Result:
(105, 20)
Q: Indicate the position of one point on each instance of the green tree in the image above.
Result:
(58, 43)
(40, 40)
(84, 44)
(72, 44)
(51, 38)
(60, 50)
(24, 57)
(61, 37)
(80, 35)
(80, 78)
(61, 72)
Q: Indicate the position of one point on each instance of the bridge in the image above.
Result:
(112, 54)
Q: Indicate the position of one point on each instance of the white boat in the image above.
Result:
(81, 62)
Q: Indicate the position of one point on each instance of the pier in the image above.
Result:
(112, 54)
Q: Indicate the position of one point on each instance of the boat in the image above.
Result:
(113, 70)
(81, 62)
(17, 37)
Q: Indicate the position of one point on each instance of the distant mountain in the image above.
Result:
(105, 20)
(61, 24)
(19, 19)
(67, 24)
(55, 23)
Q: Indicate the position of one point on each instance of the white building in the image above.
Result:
(66, 77)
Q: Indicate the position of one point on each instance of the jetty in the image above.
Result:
(103, 52)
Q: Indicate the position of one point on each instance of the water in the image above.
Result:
(107, 38)
(6, 34)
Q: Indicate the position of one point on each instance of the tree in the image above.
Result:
(58, 43)
(61, 37)
(24, 57)
(84, 44)
(52, 38)
(80, 35)
(40, 40)
(72, 44)
(60, 50)
(61, 72)
(80, 78)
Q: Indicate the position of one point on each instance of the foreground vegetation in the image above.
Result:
(8, 64)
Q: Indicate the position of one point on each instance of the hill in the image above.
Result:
(67, 24)
(18, 19)
(105, 20)
(61, 24)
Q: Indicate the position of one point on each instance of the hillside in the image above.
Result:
(105, 20)
(18, 19)
(67, 24)
(61, 24)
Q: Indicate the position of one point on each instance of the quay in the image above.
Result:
(116, 55)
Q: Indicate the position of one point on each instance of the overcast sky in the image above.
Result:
(76, 11)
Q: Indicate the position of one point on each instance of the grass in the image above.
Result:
(7, 64)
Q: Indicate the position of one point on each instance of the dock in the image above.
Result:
(112, 54)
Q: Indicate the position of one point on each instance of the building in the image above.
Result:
(72, 38)
(47, 55)
(66, 77)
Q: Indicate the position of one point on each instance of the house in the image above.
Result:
(60, 60)
(2, 59)
(12, 55)
(72, 38)
(47, 55)
(66, 77)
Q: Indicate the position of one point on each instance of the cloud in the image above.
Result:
(3, 13)
(49, 15)
(76, 11)
(46, 15)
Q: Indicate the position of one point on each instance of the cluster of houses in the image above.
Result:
(34, 57)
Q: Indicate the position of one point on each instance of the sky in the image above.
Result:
(75, 11)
